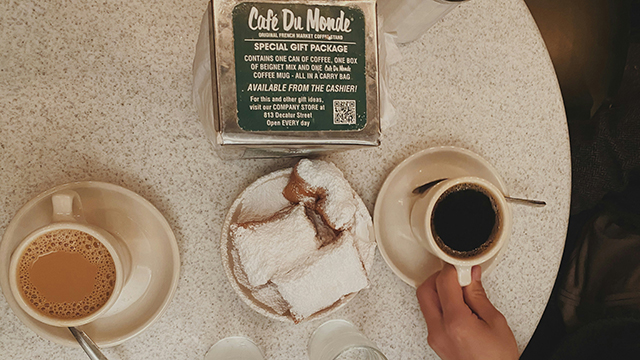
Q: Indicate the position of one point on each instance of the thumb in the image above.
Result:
(476, 298)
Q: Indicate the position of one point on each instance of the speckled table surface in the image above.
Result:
(102, 91)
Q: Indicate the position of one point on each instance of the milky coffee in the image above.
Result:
(66, 274)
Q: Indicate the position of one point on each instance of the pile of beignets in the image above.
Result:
(311, 253)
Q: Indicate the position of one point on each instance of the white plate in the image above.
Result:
(404, 255)
(154, 255)
(244, 207)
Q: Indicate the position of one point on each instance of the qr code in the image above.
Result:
(344, 112)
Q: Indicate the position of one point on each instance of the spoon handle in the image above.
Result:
(92, 350)
(531, 202)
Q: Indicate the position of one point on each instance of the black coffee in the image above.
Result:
(464, 221)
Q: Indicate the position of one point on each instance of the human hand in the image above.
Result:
(462, 322)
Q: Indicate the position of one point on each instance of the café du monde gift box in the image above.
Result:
(292, 78)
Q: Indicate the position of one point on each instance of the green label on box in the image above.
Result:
(300, 67)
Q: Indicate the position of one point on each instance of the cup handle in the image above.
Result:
(464, 275)
(63, 207)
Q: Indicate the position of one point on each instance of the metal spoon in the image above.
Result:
(92, 350)
(423, 188)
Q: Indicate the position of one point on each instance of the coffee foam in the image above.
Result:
(487, 244)
(73, 241)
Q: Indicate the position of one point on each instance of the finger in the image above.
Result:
(430, 304)
(476, 298)
(450, 293)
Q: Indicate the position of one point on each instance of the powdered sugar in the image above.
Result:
(263, 201)
(270, 242)
(362, 231)
(270, 296)
(334, 272)
(335, 197)
(271, 247)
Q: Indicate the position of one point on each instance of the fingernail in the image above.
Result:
(476, 273)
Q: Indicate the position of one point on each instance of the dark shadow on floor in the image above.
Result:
(588, 41)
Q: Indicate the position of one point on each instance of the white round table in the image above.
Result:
(102, 91)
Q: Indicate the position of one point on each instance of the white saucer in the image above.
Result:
(154, 255)
(245, 208)
(408, 259)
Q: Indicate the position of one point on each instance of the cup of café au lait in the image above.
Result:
(68, 273)
(464, 221)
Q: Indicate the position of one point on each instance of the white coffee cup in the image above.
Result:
(421, 224)
(67, 215)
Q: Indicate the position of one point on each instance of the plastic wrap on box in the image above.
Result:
(278, 78)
